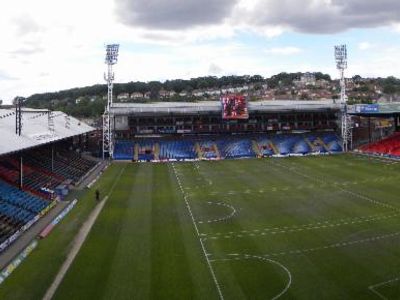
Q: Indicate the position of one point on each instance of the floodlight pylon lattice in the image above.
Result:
(18, 115)
(67, 122)
(111, 59)
(50, 122)
(346, 126)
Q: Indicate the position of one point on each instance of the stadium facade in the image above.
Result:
(135, 119)
(217, 130)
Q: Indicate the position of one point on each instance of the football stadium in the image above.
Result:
(210, 200)
(232, 155)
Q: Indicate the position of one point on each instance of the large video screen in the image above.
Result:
(234, 107)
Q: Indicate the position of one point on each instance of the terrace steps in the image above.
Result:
(273, 146)
(157, 151)
(216, 150)
(256, 148)
(136, 152)
(321, 142)
(198, 151)
(312, 147)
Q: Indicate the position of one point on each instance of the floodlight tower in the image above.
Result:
(18, 115)
(341, 65)
(111, 59)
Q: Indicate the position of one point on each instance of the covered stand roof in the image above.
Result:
(35, 129)
(204, 107)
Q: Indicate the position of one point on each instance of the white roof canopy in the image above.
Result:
(35, 129)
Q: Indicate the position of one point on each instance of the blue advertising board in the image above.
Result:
(367, 108)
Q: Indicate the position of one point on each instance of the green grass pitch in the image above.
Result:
(294, 228)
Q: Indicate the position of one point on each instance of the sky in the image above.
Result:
(49, 45)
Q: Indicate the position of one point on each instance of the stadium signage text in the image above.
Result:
(370, 108)
(6, 272)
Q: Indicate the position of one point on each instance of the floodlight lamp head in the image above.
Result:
(112, 54)
(341, 57)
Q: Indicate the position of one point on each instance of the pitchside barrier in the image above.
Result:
(6, 272)
(97, 177)
(28, 225)
(46, 231)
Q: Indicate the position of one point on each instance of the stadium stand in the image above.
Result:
(177, 149)
(67, 164)
(29, 173)
(208, 149)
(160, 131)
(39, 178)
(235, 147)
(227, 147)
(146, 150)
(17, 208)
(124, 150)
(389, 146)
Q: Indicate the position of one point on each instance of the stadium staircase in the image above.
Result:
(198, 151)
(136, 152)
(256, 148)
(322, 143)
(216, 150)
(312, 147)
(157, 151)
(273, 147)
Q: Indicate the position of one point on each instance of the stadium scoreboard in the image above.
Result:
(234, 107)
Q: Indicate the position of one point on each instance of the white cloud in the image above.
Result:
(283, 50)
(365, 46)
(50, 45)
(396, 27)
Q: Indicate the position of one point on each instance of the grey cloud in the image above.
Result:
(307, 16)
(325, 16)
(27, 50)
(173, 14)
(25, 25)
(214, 69)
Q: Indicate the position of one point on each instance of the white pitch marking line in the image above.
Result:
(372, 288)
(198, 235)
(304, 227)
(336, 183)
(231, 215)
(340, 245)
(248, 256)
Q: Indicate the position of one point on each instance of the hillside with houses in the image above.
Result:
(90, 101)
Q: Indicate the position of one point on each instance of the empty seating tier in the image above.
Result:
(225, 147)
(388, 146)
(16, 209)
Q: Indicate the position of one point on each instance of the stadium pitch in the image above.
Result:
(294, 228)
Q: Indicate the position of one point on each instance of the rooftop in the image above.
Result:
(215, 106)
(35, 129)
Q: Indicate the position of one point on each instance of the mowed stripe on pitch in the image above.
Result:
(142, 246)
